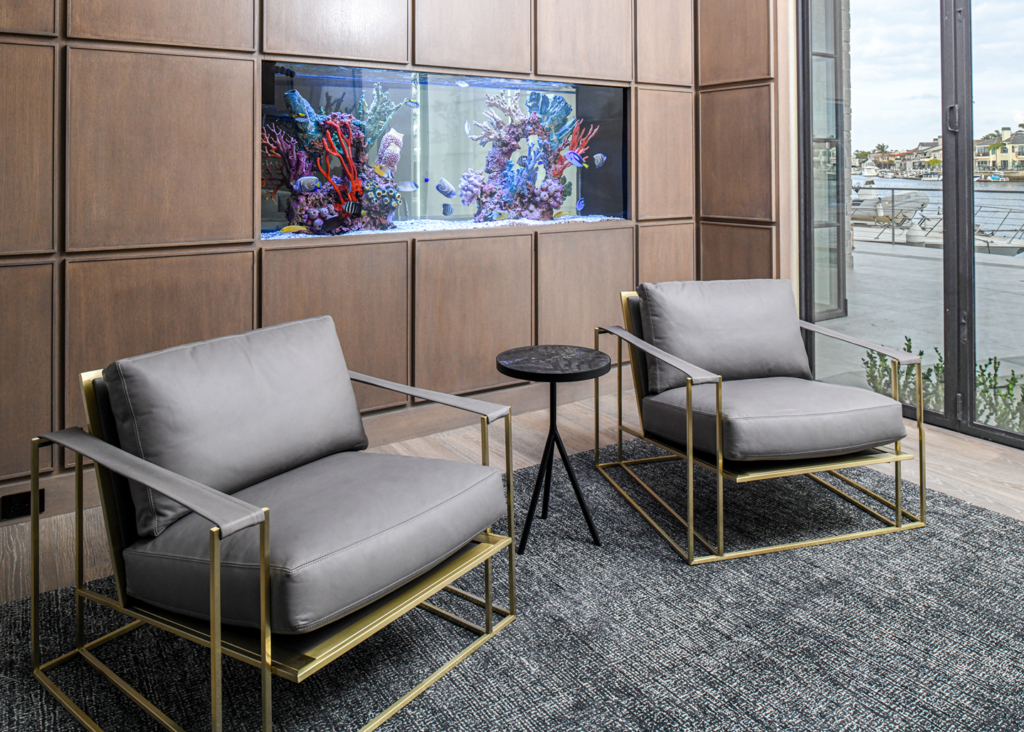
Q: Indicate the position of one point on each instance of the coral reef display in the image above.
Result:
(351, 194)
(532, 187)
(336, 170)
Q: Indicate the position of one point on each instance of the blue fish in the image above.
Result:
(469, 130)
(407, 186)
(599, 160)
(574, 158)
(580, 204)
(447, 209)
(412, 103)
(306, 184)
(446, 189)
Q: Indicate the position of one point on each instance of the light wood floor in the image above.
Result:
(982, 473)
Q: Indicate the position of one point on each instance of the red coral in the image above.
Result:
(345, 157)
(578, 143)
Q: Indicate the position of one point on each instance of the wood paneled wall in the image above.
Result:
(128, 185)
(738, 139)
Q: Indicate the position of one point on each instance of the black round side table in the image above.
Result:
(554, 364)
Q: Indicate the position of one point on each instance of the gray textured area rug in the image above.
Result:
(922, 630)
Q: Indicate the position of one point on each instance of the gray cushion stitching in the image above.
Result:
(138, 440)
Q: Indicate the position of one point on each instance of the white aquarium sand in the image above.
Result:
(426, 225)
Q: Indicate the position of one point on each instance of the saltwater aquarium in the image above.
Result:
(348, 150)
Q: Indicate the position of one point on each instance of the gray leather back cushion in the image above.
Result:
(739, 329)
(234, 411)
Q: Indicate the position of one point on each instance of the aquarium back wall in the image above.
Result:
(131, 172)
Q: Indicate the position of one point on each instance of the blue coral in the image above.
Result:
(555, 113)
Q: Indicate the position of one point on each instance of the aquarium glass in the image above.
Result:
(348, 150)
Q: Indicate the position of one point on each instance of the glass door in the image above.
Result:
(994, 275)
(912, 200)
(873, 193)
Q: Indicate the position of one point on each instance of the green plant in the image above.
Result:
(996, 403)
(999, 405)
(878, 372)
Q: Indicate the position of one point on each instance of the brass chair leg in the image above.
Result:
(720, 446)
(689, 470)
(488, 599)
(216, 688)
(265, 636)
(511, 515)
(34, 612)
(79, 557)
(920, 442)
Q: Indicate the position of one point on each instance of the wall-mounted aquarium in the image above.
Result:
(348, 150)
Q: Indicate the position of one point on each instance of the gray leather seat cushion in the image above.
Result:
(233, 411)
(778, 418)
(344, 531)
(738, 329)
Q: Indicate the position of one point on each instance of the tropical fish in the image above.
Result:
(502, 216)
(575, 158)
(599, 160)
(407, 186)
(306, 184)
(446, 189)
(463, 84)
(560, 214)
(381, 170)
(352, 208)
(580, 204)
(447, 209)
(412, 103)
(332, 224)
(469, 130)
(292, 229)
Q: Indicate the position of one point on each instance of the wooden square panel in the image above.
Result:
(365, 288)
(737, 153)
(736, 252)
(161, 149)
(228, 24)
(665, 154)
(664, 49)
(486, 35)
(666, 253)
(118, 308)
(590, 39)
(735, 40)
(26, 165)
(474, 299)
(355, 29)
(26, 362)
(29, 16)
(579, 277)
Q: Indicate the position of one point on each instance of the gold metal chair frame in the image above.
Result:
(294, 658)
(901, 519)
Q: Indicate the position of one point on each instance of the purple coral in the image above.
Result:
(471, 186)
(292, 163)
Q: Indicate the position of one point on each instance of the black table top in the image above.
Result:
(553, 363)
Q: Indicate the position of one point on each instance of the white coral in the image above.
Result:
(491, 130)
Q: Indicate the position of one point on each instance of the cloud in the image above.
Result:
(895, 70)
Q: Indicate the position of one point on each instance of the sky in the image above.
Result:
(895, 59)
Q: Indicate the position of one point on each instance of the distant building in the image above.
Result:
(990, 156)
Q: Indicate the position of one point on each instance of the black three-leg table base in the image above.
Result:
(544, 476)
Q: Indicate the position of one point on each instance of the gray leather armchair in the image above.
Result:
(722, 380)
(196, 447)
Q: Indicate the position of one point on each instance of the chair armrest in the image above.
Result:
(694, 373)
(490, 410)
(228, 513)
(903, 357)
